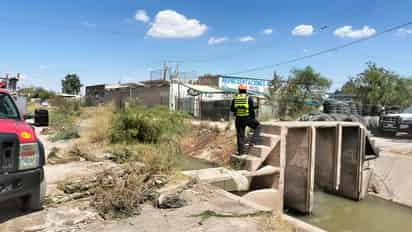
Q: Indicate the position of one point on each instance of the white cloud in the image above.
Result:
(245, 39)
(348, 32)
(170, 24)
(405, 31)
(142, 16)
(217, 40)
(267, 31)
(303, 30)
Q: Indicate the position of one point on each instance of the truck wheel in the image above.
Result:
(386, 133)
(389, 134)
(32, 202)
(43, 188)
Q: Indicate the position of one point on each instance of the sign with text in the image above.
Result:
(256, 85)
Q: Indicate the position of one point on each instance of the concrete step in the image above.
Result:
(268, 139)
(246, 162)
(259, 150)
(270, 129)
(265, 154)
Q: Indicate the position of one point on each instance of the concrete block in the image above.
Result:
(297, 192)
(350, 163)
(326, 158)
(270, 198)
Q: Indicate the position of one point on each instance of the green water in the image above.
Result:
(337, 214)
(190, 163)
(372, 214)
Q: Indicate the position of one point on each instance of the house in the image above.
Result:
(147, 93)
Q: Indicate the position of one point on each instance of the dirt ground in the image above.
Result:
(392, 171)
(207, 208)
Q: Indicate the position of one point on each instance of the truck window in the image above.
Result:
(408, 110)
(8, 109)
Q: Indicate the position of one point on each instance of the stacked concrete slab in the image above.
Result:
(294, 158)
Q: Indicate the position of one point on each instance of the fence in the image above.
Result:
(215, 110)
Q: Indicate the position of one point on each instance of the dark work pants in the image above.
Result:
(241, 123)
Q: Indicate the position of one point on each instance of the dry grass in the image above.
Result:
(97, 124)
(210, 143)
(147, 167)
(270, 223)
(121, 196)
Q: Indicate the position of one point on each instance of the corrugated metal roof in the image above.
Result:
(204, 88)
(124, 85)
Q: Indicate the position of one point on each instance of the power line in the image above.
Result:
(322, 28)
(393, 28)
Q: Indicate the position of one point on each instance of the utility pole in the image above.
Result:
(177, 72)
(165, 68)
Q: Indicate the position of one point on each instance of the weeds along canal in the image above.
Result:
(372, 214)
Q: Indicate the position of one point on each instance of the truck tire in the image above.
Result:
(33, 202)
(43, 189)
(389, 134)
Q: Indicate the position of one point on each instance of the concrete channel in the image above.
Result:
(296, 159)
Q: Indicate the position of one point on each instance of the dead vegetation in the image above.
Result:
(146, 144)
(147, 158)
(119, 196)
(270, 223)
(211, 143)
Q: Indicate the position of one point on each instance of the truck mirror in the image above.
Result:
(28, 116)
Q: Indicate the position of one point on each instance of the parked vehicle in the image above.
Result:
(21, 157)
(391, 124)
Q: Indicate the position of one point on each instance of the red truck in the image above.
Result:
(22, 158)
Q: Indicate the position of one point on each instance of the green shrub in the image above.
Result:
(67, 107)
(152, 125)
(66, 132)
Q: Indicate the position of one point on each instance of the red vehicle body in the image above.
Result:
(21, 157)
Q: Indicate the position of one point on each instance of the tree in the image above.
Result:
(37, 92)
(309, 83)
(277, 97)
(379, 86)
(303, 85)
(71, 84)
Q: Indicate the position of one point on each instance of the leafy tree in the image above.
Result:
(277, 97)
(302, 85)
(37, 92)
(71, 84)
(305, 85)
(379, 86)
(309, 83)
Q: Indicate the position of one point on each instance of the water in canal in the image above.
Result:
(337, 214)
(189, 163)
(372, 214)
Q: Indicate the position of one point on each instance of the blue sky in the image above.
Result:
(106, 41)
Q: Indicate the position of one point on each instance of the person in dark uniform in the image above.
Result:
(244, 109)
